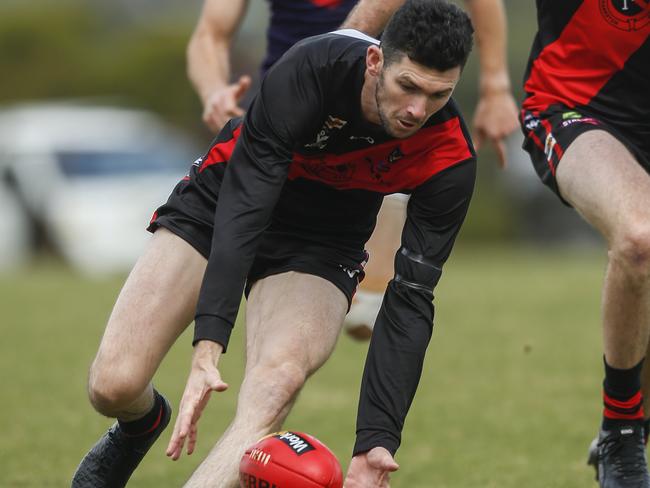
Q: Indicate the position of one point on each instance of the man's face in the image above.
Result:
(407, 94)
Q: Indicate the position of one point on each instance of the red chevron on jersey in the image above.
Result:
(595, 44)
(221, 152)
(399, 164)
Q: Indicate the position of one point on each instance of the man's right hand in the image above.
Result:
(370, 469)
(494, 119)
(223, 104)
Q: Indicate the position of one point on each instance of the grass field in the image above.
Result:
(510, 395)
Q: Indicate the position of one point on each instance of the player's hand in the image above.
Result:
(370, 469)
(494, 119)
(203, 380)
(223, 104)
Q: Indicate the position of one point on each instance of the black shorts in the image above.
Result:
(189, 213)
(549, 134)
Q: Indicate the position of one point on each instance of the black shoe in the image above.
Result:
(592, 457)
(621, 458)
(110, 463)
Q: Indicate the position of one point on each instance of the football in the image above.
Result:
(289, 460)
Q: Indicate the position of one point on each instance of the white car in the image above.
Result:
(92, 176)
(15, 233)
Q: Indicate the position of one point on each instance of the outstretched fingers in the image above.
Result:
(200, 384)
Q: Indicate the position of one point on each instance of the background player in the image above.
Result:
(587, 127)
(209, 64)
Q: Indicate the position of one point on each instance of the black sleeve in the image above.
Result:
(404, 325)
(287, 108)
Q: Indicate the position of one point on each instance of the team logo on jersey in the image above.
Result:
(329, 173)
(331, 123)
(368, 139)
(380, 167)
(627, 15)
(334, 123)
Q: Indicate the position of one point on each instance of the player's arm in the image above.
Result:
(404, 325)
(370, 16)
(287, 108)
(208, 61)
(496, 111)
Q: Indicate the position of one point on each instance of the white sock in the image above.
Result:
(364, 309)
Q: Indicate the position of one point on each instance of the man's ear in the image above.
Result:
(374, 60)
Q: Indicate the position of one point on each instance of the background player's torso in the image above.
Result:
(595, 54)
(293, 20)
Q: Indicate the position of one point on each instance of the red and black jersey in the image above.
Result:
(305, 161)
(593, 54)
(306, 125)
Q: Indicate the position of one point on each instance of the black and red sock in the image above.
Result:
(622, 397)
(147, 424)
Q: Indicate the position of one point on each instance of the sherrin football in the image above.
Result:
(289, 460)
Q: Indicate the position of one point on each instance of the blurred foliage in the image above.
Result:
(72, 49)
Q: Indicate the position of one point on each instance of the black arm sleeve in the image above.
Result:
(287, 108)
(404, 325)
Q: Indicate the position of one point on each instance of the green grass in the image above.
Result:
(510, 395)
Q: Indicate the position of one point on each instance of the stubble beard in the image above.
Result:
(382, 116)
(385, 124)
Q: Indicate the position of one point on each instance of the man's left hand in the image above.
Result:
(370, 469)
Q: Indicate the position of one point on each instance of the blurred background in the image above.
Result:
(97, 123)
(90, 89)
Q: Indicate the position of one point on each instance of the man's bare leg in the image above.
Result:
(382, 246)
(606, 185)
(602, 180)
(155, 305)
(292, 323)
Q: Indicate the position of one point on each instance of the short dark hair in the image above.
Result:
(433, 33)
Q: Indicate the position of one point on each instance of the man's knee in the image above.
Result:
(284, 379)
(631, 250)
(276, 384)
(112, 388)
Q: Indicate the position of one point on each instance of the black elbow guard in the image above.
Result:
(416, 271)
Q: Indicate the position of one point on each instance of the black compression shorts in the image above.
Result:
(189, 213)
(549, 134)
